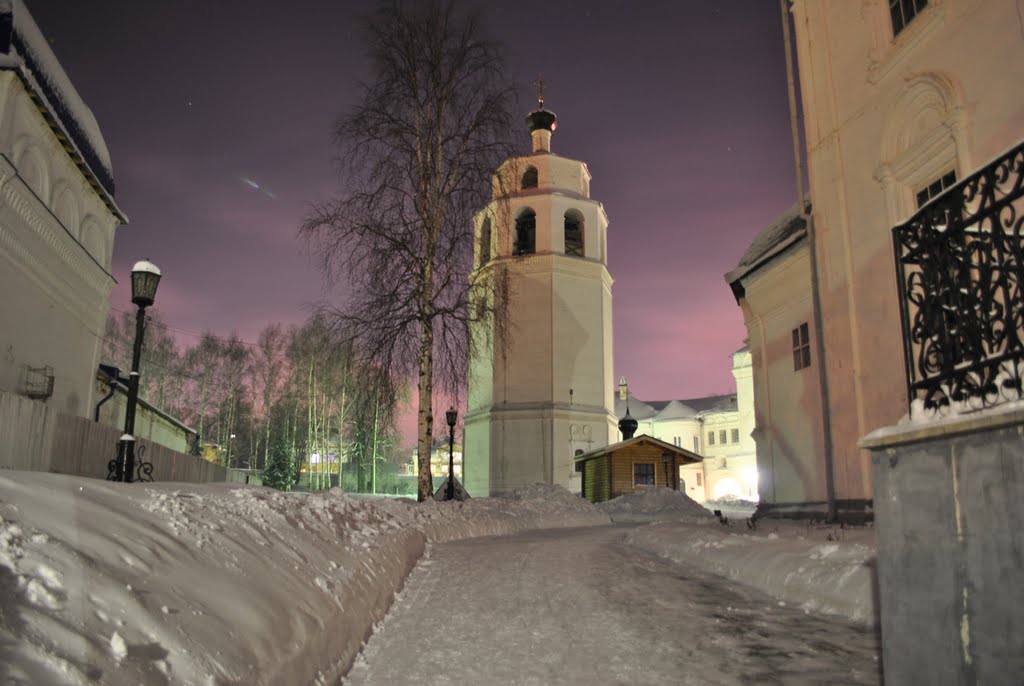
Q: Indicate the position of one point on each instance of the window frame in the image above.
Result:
(801, 336)
(936, 187)
(915, 7)
(653, 475)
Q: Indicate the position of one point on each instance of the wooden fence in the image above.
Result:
(35, 438)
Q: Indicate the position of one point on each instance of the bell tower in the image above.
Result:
(547, 394)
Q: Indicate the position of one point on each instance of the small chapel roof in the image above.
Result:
(25, 50)
(771, 241)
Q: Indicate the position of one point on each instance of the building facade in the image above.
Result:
(899, 101)
(719, 428)
(57, 222)
(545, 394)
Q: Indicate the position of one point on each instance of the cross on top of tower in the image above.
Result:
(540, 84)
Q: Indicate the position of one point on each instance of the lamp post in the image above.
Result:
(452, 416)
(666, 458)
(145, 279)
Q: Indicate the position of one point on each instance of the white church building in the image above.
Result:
(548, 394)
(57, 223)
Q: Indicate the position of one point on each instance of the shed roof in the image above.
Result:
(785, 231)
(687, 455)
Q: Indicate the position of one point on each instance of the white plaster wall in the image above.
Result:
(523, 424)
(884, 116)
(787, 404)
(55, 279)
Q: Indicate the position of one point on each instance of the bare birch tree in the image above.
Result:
(417, 153)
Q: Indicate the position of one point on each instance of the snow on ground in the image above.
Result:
(224, 583)
(819, 568)
(657, 504)
(214, 583)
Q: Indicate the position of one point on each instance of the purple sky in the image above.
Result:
(678, 108)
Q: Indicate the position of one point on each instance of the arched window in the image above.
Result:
(574, 233)
(526, 233)
(530, 178)
(485, 242)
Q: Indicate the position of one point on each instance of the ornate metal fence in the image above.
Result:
(960, 269)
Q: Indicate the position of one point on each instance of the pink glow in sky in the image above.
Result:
(678, 109)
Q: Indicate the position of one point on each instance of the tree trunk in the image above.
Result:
(424, 415)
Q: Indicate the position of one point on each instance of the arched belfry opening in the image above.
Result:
(574, 233)
(526, 233)
(529, 178)
(485, 242)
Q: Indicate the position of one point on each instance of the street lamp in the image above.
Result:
(666, 459)
(145, 279)
(452, 416)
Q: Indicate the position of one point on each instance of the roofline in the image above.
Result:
(65, 139)
(733, 278)
(600, 452)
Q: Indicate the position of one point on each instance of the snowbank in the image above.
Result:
(657, 505)
(819, 569)
(215, 583)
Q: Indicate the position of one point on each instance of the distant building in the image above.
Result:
(57, 222)
(901, 99)
(718, 428)
(438, 461)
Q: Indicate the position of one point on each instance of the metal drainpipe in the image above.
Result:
(819, 337)
(112, 382)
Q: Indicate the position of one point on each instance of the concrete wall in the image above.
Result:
(949, 501)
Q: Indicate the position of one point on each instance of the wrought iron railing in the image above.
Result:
(960, 269)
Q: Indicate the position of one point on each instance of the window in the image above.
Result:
(801, 348)
(711, 437)
(721, 437)
(935, 188)
(735, 435)
(903, 12)
(698, 479)
(574, 233)
(643, 474)
(579, 465)
(696, 444)
(485, 242)
(526, 234)
(530, 178)
(678, 441)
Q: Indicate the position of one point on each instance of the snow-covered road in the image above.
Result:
(575, 606)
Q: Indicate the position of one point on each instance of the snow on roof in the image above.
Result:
(664, 410)
(783, 232)
(51, 86)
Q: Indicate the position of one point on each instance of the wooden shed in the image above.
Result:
(632, 465)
